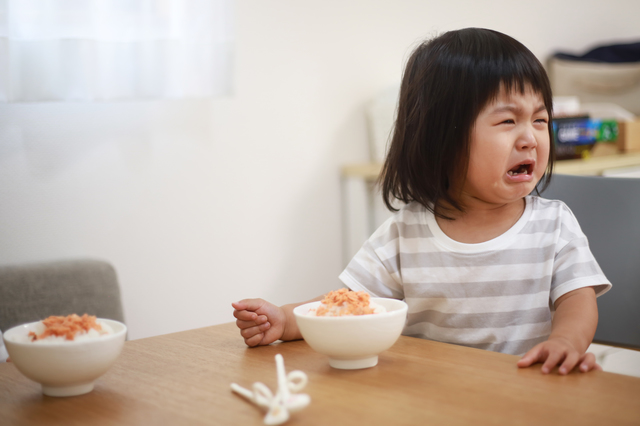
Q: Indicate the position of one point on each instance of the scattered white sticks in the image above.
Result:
(285, 400)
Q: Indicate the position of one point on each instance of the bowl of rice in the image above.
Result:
(350, 327)
(65, 354)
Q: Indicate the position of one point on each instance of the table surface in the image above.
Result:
(184, 378)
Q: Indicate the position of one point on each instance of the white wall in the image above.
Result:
(200, 203)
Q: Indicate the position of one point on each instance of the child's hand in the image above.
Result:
(558, 351)
(259, 321)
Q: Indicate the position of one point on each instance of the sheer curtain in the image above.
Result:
(102, 50)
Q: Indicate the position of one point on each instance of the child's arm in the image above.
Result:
(262, 323)
(574, 325)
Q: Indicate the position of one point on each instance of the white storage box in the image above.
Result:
(617, 83)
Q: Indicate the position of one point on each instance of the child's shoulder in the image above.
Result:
(542, 203)
(411, 213)
(407, 219)
(548, 208)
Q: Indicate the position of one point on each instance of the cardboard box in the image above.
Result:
(629, 136)
(583, 137)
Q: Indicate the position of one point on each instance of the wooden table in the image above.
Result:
(184, 378)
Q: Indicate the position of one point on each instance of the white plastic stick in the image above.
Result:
(278, 405)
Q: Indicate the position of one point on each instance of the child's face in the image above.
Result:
(509, 149)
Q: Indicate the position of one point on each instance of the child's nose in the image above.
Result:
(526, 140)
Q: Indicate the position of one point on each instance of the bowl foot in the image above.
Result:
(353, 364)
(67, 390)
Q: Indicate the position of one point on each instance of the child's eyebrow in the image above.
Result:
(514, 109)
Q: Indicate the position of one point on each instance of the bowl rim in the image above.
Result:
(404, 307)
(64, 344)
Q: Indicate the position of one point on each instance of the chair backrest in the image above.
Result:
(608, 210)
(31, 292)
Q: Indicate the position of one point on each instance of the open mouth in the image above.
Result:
(521, 169)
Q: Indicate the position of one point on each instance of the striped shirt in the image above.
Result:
(497, 295)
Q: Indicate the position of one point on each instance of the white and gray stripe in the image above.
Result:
(497, 295)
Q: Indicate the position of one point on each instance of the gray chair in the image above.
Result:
(608, 210)
(31, 292)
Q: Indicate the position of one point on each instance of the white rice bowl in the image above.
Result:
(65, 367)
(353, 341)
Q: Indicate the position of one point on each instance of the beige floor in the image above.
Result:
(617, 360)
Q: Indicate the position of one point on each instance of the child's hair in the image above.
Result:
(447, 82)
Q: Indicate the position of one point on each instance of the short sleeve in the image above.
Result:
(375, 268)
(575, 266)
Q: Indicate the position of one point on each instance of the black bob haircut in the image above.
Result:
(447, 82)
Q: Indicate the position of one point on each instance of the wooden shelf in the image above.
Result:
(597, 165)
(368, 173)
(592, 166)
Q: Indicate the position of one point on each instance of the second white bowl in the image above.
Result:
(353, 342)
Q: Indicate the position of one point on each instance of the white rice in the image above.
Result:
(335, 311)
(80, 336)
